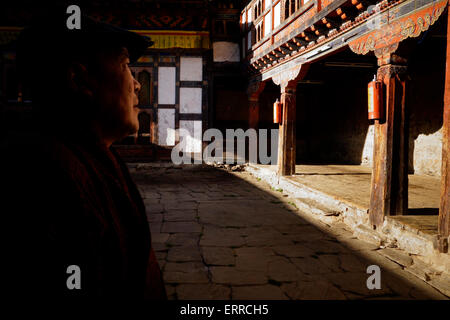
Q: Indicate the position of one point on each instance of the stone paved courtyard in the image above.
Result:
(228, 235)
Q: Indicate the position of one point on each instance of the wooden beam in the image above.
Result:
(291, 45)
(284, 50)
(318, 30)
(347, 12)
(265, 60)
(271, 56)
(276, 54)
(309, 36)
(389, 184)
(360, 4)
(444, 208)
(331, 23)
(300, 42)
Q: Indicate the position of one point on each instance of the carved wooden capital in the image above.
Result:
(286, 76)
(390, 58)
(390, 70)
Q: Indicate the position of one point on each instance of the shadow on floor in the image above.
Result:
(222, 235)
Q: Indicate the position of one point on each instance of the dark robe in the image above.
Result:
(71, 201)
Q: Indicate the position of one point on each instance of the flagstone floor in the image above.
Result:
(228, 235)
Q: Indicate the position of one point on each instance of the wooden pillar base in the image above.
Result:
(389, 185)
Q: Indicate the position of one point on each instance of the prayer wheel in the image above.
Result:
(277, 111)
(375, 99)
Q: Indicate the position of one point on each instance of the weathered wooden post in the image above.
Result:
(287, 80)
(287, 130)
(444, 208)
(389, 185)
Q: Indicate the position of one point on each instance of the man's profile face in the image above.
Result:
(116, 95)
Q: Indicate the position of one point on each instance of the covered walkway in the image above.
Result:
(351, 184)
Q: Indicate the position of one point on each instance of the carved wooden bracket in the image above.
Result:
(285, 77)
(388, 34)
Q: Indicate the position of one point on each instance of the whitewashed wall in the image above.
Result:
(224, 51)
(191, 69)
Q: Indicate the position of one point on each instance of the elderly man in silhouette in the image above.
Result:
(78, 225)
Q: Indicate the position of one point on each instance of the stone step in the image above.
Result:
(316, 207)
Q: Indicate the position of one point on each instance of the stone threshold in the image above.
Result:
(400, 240)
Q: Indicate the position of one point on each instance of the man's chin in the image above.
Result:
(134, 128)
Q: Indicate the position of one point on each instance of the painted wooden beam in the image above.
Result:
(300, 42)
(291, 45)
(284, 50)
(331, 23)
(318, 29)
(309, 36)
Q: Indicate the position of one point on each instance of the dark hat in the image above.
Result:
(49, 36)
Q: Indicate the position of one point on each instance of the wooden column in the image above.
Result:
(287, 138)
(444, 208)
(389, 185)
(253, 112)
(253, 91)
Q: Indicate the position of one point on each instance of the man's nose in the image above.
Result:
(137, 86)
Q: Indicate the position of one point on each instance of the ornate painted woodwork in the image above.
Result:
(387, 34)
(177, 39)
(379, 28)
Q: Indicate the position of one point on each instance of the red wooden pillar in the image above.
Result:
(444, 208)
(287, 137)
(253, 92)
(389, 185)
(253, 112)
